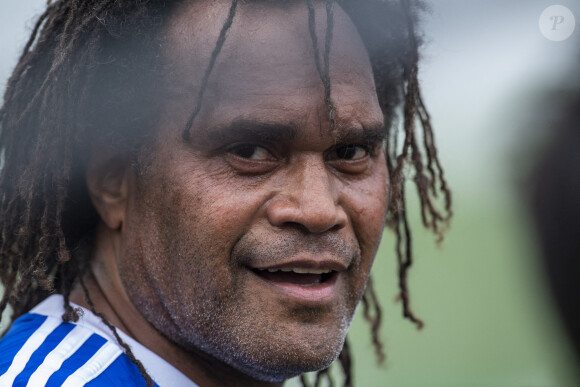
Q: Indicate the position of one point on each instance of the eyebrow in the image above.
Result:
(252, 130)
(241, 130)
(370, 134)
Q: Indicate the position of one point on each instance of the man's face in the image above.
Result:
(252, 242)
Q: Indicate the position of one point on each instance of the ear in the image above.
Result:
(107, 182)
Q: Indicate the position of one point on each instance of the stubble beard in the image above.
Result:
(259, 349)
(229, 332)
(243, 337)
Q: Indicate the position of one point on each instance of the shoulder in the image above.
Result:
(41, 350)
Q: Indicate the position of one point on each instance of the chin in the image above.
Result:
(274, 355)
(281, 367)
(287, 356)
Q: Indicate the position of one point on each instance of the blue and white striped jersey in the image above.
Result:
(41, 350)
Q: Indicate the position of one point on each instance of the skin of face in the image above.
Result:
(263, 183)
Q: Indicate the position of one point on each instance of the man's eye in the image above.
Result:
(351, 152)
(251, 151)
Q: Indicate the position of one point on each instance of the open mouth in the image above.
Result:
(296, 276)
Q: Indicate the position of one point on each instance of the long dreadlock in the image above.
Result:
(86, 60)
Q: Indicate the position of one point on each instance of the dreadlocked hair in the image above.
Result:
(75, 83)
(84, 77)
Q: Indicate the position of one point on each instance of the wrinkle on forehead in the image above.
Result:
(266, 68)
(259, 37)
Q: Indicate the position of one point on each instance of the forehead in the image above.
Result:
(267, 64)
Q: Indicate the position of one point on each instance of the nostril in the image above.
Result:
(336, 227)
(307, 221)
(310, 205)
(297, 226)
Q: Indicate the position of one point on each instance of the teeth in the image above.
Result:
(309, 271)
(299, 270)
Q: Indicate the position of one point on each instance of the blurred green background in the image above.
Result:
(490, 320)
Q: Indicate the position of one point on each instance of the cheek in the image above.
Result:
(368, 204)
(369, 207)
(176, 253)
(197, 221)
(225, 206)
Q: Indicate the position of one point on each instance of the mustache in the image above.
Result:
(253, 250)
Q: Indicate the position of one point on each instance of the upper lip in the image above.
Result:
(306, 264)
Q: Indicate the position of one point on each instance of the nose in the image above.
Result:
(308, 198)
